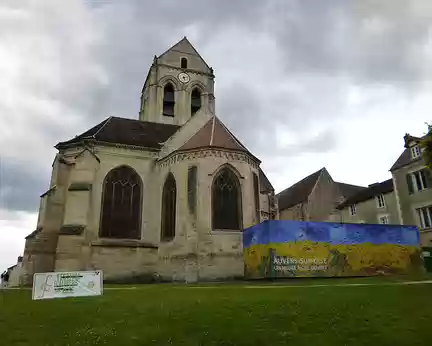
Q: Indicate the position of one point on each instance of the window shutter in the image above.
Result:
(410, 184)
(428, 176)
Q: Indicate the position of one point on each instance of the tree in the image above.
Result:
(426, 143)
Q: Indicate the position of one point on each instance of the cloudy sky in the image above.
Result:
(303, 83)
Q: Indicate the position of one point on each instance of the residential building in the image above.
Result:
(413, 188)
(314, 198)
(15, 273)
(375, 204)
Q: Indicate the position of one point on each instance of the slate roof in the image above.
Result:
(126, 131)
(299, 192)
(369, 193)
(405, 158)
(348, 190)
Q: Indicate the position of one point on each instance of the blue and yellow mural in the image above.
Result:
(312, 249)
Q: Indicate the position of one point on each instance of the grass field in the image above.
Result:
(225, 315)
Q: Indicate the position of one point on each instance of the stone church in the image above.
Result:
(164, 197)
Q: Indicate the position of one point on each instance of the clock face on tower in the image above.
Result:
(183, 77)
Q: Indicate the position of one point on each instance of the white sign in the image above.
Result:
(67, 284)
(426, 254)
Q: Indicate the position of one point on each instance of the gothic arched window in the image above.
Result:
(121, 204)
(226, 201)
(169, 196)
(195, 101)
(183, 63)
(168, 100)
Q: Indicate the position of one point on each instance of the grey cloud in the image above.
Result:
(323, 142)
(365, 40)
(20, 188)
(93, 59)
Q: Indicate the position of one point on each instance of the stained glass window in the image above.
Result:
(226, 201)
(121, 204)
(169, 196)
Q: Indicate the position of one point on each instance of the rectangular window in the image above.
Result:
(425, 217)
(383, 219)
(418, 180)
(353, 210)
(380, 201)
(415, 152)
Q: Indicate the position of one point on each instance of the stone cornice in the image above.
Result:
(72, 229)
(211, 75)
(94, 142)
(230, 155)
(80, 186)
(123, 243)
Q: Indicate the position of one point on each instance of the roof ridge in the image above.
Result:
(367, 193)
(308, 176)
(231, 134)
(194, 49)
(99, 130)
(212, 130)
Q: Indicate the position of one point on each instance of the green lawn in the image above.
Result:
(225, 315)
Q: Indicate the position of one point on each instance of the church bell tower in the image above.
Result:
(178, 86)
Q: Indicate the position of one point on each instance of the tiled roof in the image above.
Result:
(348, 190)
(215, 134)
(405, 158)
(369, 193)
(299, 192)
(126, 131)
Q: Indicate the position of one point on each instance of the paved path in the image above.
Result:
(272, 285)
(263, 286)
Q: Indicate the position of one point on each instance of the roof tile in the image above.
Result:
(127, 131)
(299, 192)
(213, 134)
(369, 193)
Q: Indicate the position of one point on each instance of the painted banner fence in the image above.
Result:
(313, 249)
(67, 284)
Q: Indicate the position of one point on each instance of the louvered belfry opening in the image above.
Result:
(195, 101)
(168, 100)
(121, 204)
(226, 201)
(169, 197)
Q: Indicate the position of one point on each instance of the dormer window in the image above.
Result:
(415, 152)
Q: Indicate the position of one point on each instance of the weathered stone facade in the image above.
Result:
(68, 236)
(314, 198)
